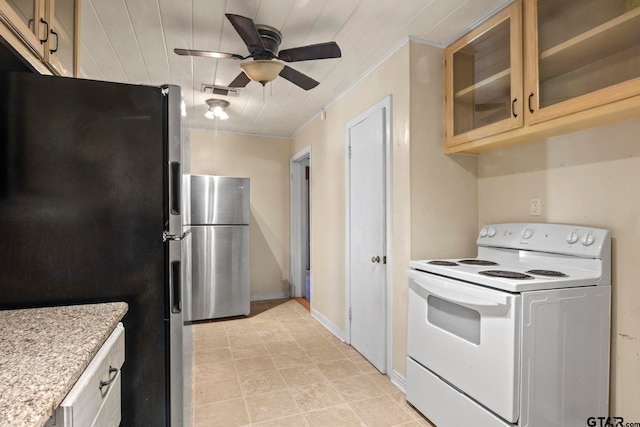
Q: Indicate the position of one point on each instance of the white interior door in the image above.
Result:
(366, 241)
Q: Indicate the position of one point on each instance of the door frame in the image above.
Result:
(297, 236)
(384, 104)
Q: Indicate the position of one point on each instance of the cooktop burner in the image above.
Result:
(477, 262)
(444, 263)
(548, 273)
(506, 274)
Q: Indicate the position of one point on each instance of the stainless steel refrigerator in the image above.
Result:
(94, 208)
(220, 234)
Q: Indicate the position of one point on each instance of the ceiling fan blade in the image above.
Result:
(207, 54)
(247, 31)
(241, 80)
(297, 78)
(313, 51)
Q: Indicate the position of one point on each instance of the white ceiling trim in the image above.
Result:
(355, 83)
(428, 43)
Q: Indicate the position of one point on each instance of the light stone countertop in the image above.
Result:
(43, 352)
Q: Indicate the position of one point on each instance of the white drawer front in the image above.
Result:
(92, 400)
(443, 405)
(110, 414)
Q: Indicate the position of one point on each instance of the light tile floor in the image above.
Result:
(280, 367)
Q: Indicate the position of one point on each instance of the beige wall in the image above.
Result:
(444, 192)
(266, 162)
(591, 178)
(421, 173)
(327, 139)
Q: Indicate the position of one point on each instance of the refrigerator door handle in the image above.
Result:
(168, 236)
(175, 179)
(176, 287)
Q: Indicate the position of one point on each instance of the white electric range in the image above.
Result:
(518, 335)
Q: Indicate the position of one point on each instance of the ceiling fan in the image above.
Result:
(263, 42)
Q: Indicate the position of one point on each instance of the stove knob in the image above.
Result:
(527, 233)
(483, 232)
(587, 239)
(491, 232)
(572, 237)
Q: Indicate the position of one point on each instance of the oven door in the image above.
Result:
(469, 336)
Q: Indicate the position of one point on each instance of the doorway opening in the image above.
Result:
(300, 226)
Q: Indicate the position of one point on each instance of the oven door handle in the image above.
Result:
(464, 295)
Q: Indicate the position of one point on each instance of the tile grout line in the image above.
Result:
(248, 325)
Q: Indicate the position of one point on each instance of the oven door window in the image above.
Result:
(461, 321)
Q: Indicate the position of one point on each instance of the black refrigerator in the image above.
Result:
(93, 208)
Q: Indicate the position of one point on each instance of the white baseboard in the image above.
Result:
(263, 297)
(339, 333)
(398, 380)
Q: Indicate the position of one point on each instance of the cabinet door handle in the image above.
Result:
(513, 107)
(57, 42)
(530, 108)
(46, 31)
(112, 378)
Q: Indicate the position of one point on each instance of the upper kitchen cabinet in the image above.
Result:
(483, 79)
(580, 54)
(61, 53)
(23, 18)
(581, 70)
(44, 32)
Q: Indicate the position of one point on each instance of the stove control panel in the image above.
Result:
(556, 238)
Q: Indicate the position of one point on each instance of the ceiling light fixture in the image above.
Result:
(217, 109)
(262, 70)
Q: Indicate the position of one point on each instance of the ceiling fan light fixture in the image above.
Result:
(217, 109)
(262, 70)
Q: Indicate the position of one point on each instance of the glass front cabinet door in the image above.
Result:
(26, 17)
(483, 79)
(61, 52)
(580, 54)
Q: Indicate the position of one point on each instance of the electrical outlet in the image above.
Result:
(536, 207)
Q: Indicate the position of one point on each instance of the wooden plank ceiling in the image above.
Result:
(132, 41)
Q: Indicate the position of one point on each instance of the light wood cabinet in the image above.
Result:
(580, 54)
(62, 49)
(43, 30)
(23, 17)
(483, 79)
(581, 69)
